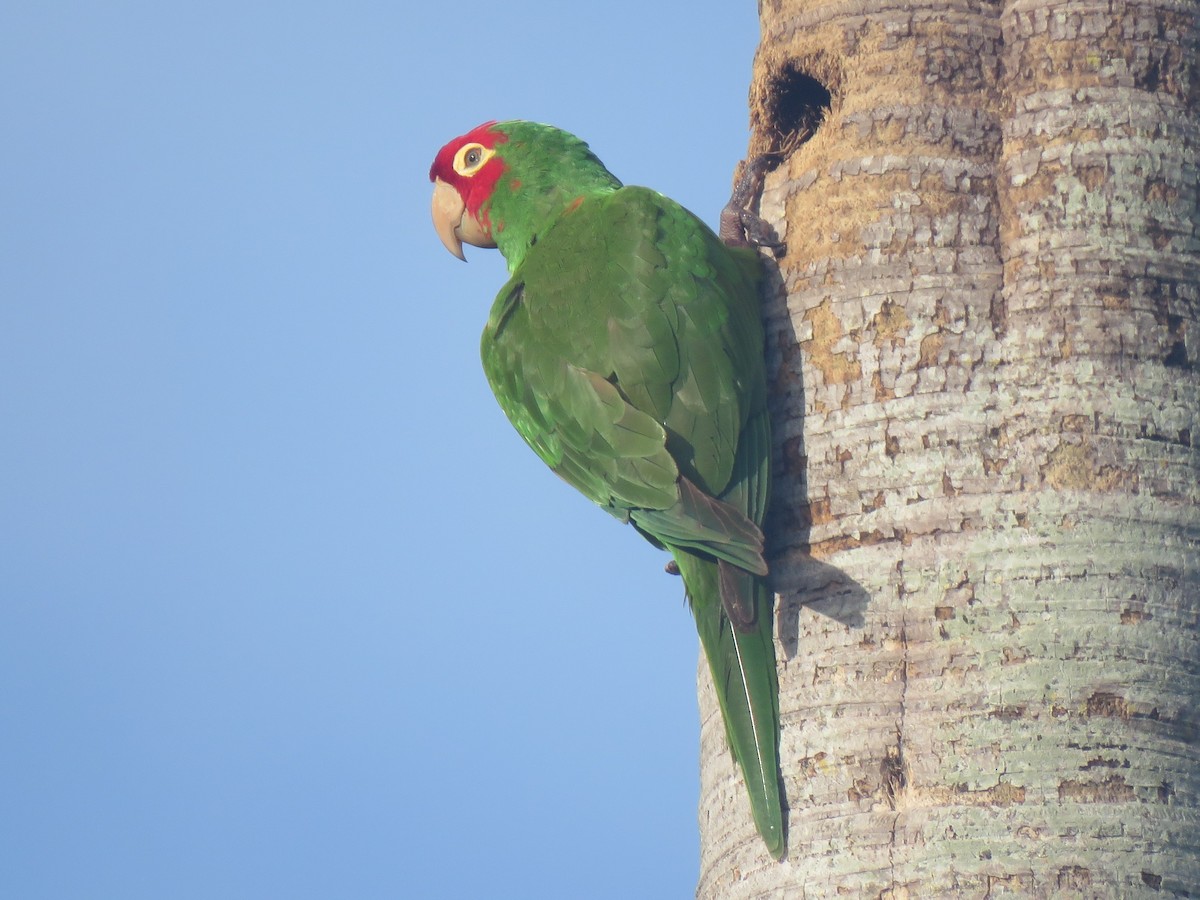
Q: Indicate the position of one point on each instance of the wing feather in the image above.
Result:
(615, 350)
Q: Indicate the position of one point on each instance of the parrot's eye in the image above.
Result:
(470, 157)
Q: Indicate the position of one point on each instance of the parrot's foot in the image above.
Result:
(671, 568)
(741, 226)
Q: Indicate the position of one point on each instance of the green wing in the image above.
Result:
(627, 350)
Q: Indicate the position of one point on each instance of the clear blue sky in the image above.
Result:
(286, 607)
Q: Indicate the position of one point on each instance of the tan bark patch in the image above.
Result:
(1103, 703)
(1072, 466)
(1002, 794)
(890, 324)
(1113, 789)
(931, 349)
(836, 367)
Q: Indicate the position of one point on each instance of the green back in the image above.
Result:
(627, 350)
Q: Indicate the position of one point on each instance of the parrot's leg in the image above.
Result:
(671, 568)
(741, 226)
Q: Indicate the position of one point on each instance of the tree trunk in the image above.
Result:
(984, 343)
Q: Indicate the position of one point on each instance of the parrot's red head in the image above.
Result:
(507, 183)
(464, 174)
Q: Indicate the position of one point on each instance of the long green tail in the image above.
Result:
(743, 671)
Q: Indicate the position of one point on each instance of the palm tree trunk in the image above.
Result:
(984, 342)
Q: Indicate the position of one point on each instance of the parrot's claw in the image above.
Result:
(671, 568)
(741, 226)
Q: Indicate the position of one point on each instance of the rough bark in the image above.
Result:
(987, 403)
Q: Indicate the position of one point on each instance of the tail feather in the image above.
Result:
(738, 596)
(742, 663)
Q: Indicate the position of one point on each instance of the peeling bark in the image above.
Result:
(984, 348)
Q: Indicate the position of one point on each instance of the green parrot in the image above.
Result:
(627, 350)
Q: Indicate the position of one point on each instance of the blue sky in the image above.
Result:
(286, 607)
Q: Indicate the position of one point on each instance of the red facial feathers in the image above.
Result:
(474, 187)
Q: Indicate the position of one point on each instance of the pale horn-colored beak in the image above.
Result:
(453, 223)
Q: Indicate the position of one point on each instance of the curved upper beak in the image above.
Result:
(453, 223)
